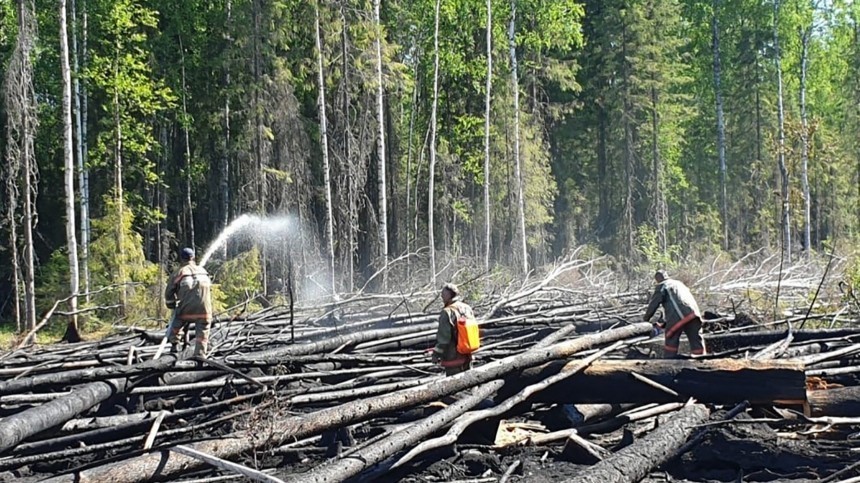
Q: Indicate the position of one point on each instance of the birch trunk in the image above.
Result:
(487, 212)
(432, 174)
(80, 130)
(72, 334)
(119, 195)
(329, 212)
(518, 171)
(721, 126)
(380, 153)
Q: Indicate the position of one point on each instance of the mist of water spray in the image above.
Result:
(281, 233)
(235, 226)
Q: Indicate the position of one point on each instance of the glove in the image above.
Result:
(171, 304)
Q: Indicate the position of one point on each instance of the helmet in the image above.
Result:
(455, 290)
(186, 254)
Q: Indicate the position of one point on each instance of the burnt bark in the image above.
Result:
(165, 463)
(840, 401)
(721, 381)
(634, 462)
(18, 427)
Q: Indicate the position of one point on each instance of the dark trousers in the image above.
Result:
(693, 331)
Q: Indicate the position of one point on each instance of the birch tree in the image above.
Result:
(432, 174)
(329, 212)
(488, 97)
(72, 334)
(382, 213)
(81, 145)
(518, 171)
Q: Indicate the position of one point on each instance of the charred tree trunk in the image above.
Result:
(18, 427)
(722, 381)
(165, 463)
(634, 462)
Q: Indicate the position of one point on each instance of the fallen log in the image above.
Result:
(838, 401)
(249, 473)
(721, 381)
(634, 462)
(474, 416)
(330, 343)
(636, 414)
(19, 426)
(165, 463)
(354, 463)
(733, 340)
(135, 423)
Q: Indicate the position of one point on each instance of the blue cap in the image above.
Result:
(186, 254)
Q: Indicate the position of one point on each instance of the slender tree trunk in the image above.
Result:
(432, 175)
(804, 139)
(80, 130)
(758, 140)
(21, 126)
(380, 119)
(20, 130)
(262, 185)
(349, 166)
(783, 170)
(518, 169)
(487, 99)
(72, 334)
(629, 154)
(189, 206)
(411, 236)
(329, 211)
(225, 160)
(118, 188)
(30, 190)
(11, 173)
(660, 210)
(604, 185)
(721, 126)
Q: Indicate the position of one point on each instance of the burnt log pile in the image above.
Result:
(569, 385)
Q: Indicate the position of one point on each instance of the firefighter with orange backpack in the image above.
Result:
(680, 315)
(458, 335)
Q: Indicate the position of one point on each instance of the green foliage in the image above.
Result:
(238, 281)
(648, 247)
(143, 280)
(851, 289)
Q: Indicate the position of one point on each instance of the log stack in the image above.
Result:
(568, 386)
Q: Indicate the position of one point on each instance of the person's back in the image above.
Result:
(679, 299)
(193, 292)
(680, 315)
(189, 293)
(445, 351)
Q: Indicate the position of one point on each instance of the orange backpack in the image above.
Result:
(468, 333)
